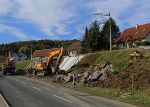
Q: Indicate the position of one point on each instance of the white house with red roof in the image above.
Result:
(136, 35)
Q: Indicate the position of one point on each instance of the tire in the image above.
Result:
(46, 73)
(4, 73)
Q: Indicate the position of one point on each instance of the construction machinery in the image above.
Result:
(52, 64)
(9, 67)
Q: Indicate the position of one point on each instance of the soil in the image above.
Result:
(136, 75)
(86, 64)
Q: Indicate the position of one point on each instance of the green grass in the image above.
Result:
(119, 58)
(19, 64)
(107, 92)
(22, 64)
(137, 97)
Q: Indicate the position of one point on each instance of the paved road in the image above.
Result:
(25, 92)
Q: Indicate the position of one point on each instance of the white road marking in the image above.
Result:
(62, 98)
(37, 88)
(16, 80)
(23, 83)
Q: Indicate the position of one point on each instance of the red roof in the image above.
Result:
(139, 33)
(43, 52)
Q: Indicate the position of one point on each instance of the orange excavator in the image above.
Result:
(52, 64)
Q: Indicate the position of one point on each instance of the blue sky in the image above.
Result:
(22, 20)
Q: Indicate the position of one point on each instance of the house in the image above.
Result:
(134, 36)
(22, 57)
(14, 57)
(18, 57)
(74, 48)
(42, 55)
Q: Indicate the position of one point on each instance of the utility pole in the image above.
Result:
(110, 31)
(31, 50)
(103, 20)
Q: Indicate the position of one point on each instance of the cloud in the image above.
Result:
(56, 18)
(62, 29)
(46, 14)
(14, 31)
(139, 13)
(5, 7)
(110, 6)
(124, 11)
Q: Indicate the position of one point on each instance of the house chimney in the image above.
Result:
(137, 26)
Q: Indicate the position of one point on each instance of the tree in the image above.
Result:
(96, 39)
(94, 35)
(85, 44)
(24, 50)
(106, 32)
(90, 39)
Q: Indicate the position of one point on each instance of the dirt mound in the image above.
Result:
(139, 72)
(86, 64)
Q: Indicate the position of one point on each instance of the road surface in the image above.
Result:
(24, 92)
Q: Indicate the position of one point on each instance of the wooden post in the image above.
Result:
(132, 79)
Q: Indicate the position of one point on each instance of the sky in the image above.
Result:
(23, 20)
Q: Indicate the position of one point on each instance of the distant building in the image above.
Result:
(74, 48)
(14, 57)
(42, 52)
(18, 57)
(22, 57)
(129, 37)
(42, 55)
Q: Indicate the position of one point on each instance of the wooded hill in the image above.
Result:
(25, 46)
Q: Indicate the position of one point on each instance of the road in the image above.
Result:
(24, 92)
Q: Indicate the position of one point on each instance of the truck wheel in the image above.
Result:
(4, 73)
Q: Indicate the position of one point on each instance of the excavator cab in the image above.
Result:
(51, 66)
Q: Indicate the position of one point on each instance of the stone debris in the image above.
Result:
(68, 78)
(60, 77)
(105, 71)
(102, 72)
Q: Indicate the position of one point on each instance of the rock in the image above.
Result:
(95, 76)
(106, 73)
(78, 77)
(107, 63)
(60, 77)
(83, 80)
(85, 77)
(109, 71)
(103, 77)
(86, 74)
(102, 74)
(68, 78)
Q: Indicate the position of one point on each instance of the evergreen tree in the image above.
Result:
(90, 39)
(106, 32)
(85, 44)
(96, 39)
(94, 35)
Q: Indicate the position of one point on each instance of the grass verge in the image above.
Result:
(22, 64)
(137, 97)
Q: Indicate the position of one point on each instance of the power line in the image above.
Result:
(103, 20)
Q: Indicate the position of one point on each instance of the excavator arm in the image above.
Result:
(50, 66)
(54, 53)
